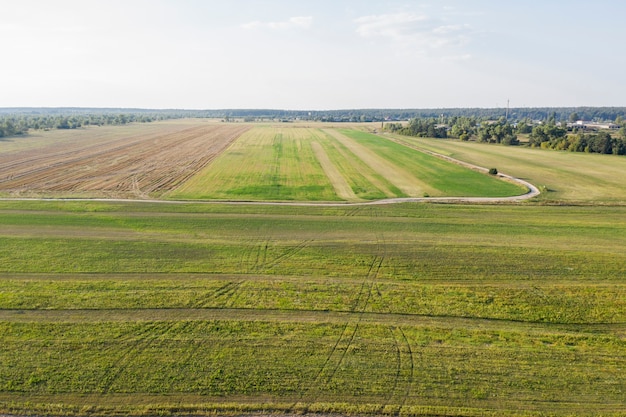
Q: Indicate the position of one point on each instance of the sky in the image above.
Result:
(312, 55)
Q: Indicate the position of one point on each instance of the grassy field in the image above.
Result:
(266, 164)
(299, 163)
(112, 308)
(561, 175)
(413, 309)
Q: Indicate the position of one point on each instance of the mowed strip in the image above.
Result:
(342, 188)
(406, 182)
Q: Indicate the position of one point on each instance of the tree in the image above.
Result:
(552, 118)
(601, 143)
(425, 128)
(546, 133)
(524, 126)
(499, 132)
(463, 128)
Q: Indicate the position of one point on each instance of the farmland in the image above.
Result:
(116, 162)
(204, 160)
(296, 163)
(564, 176)
(168, 308)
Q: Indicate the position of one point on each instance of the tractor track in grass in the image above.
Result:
(145, 339)
(404, 364)
(223, 294)
(289, 252)
(337, 354)
(258, 258)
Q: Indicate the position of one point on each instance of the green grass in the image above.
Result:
(366, 183)
(113, 308)
(279, 164)
(398, 367)
(412, 309)
(264, 164)
(562, 176)
(442, 177)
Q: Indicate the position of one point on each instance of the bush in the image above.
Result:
(493, 171)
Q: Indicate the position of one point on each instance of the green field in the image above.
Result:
(414, 309)
(315, 164)
(561, 175)
(113, 308)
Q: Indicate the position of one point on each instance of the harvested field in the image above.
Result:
(144, 162)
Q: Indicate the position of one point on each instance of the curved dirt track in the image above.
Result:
(533, 192)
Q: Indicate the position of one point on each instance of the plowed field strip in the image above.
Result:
(128, 166)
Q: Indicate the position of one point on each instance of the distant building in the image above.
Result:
(581, 124)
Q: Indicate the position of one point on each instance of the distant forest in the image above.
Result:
(546, 126)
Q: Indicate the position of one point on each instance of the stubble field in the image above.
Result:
(134, 161)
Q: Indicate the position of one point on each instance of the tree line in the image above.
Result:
(20, 123)
(345, 115)
(545, 127)
(548, 135)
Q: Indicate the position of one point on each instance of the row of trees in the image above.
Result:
(549, 135)
(19, 124)
(349, 115)
(463, 128)
(601, 142)
(426, 128)
(8, 127)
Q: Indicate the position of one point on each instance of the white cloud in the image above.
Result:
(419, 33)
(296, 22)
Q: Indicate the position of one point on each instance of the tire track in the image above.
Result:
(336, 356)
(405, 364)
(290, 252)
(222, 295)
(411, 375)
(353, 211)
(144, 339)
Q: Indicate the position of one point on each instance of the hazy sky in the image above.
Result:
(322, 54)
